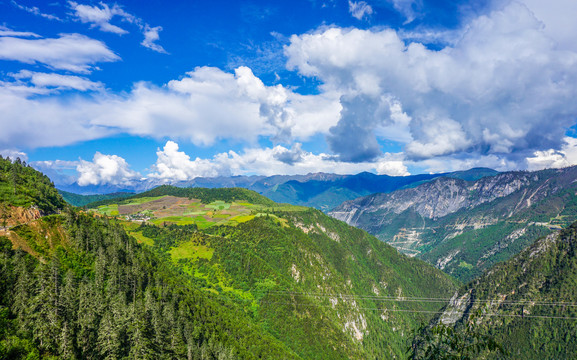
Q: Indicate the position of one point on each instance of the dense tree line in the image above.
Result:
(170, 236)
(21, 185)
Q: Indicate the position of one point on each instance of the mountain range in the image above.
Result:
(465, 227)
(319, 190)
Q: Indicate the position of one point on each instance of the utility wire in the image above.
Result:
(424, 299)
(429, 311)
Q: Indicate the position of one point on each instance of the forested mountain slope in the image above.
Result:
(309, 279)
(464, 227)
(528, 303)
(21, 185)
(84, 289)
(232, 275)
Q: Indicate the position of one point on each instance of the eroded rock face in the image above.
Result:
(15, 215)
(455, 310)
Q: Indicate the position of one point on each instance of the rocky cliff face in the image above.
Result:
(435, 199)
(443, 220)
(15, 215)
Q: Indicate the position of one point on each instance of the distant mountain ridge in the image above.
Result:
(81, 200)
(464, 227)
(323, 191)
(258, 183)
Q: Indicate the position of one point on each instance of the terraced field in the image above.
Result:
(166, 210)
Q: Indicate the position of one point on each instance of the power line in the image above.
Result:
(426, 299)
(430, 311)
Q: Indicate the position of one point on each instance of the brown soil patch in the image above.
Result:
(51, 237)
(156, 205)
(19, 243)
(15, 215)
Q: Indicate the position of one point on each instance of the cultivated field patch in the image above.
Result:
(166, 210)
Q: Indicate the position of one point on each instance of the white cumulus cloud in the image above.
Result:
(558, 18)
(31, 121)
(14, 154)
(105, 169)
(392, 167)
(173, 164)
(492, 92)
(203, 107)
(551, 158)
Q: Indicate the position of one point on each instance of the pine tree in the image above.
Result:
(109, 338)
(88, 320)
(23, 291)
(45, 315)
(140, 335)
(66, 349)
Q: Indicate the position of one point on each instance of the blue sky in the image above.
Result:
(105, 92)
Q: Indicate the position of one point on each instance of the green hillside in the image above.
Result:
(21, 185)
(205, 195)
(77, 286)
(275, 269)
(275, 261)
(527, 303)
(282, 282)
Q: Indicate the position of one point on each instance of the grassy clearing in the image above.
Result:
(202, 223)
(140, 201)
(283, 222)
(194, 213)
(129, 225)
(242, 218)
(188, 250)
(110, 210)
(141, 239)
(288, 207)
(203, 215)
(218, 205)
